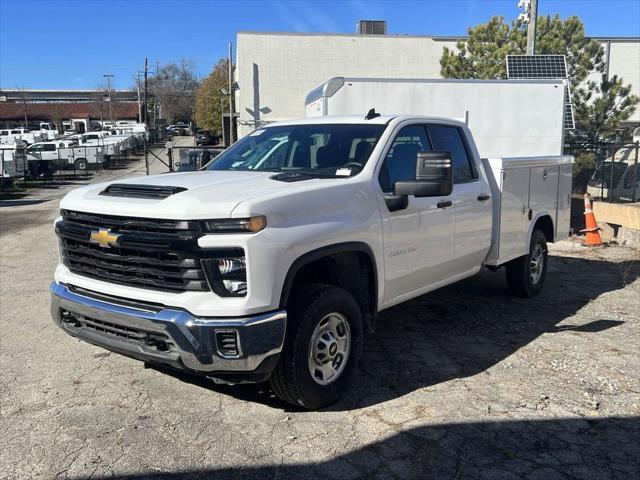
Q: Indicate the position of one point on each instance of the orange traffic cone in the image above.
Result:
(593, 235)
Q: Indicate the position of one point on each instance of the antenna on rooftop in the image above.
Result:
(371, 114)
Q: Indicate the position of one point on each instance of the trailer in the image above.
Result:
(508, 118)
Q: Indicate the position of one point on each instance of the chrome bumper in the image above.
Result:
(168, 336)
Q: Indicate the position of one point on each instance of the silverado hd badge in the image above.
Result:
(104, 237)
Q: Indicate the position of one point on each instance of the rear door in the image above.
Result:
(471, 198)
(418, 238)
(49, 152)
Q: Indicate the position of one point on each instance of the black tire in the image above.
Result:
(292, 380)
(523, 278)
(81, 164)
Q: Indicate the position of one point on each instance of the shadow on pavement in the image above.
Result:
(20, 203)
(462, 330)
(600, 449)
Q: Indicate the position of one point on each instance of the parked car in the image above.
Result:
(179, 129)
(195, 159)
(206, 137)
(618, 178)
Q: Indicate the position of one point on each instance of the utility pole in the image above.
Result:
(231, 135)
(146, 93)
(146, 114)
(109, 76)
(139, 102)
(529, 18)
(156, 104)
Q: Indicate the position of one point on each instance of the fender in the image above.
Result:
(532, 223)
(327, 251)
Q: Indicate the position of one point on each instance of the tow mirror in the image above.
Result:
(434, 176)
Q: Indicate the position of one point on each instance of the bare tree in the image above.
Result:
(25, 100)
(176, 85)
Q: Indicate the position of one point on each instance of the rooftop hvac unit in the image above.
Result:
(372, 27)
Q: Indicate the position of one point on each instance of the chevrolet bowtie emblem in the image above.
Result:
(104, 237)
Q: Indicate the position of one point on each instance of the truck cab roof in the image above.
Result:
(360, 119)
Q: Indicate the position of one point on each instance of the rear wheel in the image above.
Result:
(322, 347)
(526, 274)
(81, 164)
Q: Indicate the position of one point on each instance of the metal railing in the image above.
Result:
(609, 172)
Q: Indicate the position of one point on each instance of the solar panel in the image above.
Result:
(543, 67)
(569, 121)
(536, 66)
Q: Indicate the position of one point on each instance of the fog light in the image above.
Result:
(227, 274)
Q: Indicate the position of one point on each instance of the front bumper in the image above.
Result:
(157, 334)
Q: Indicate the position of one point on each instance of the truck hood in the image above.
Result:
(206, 194)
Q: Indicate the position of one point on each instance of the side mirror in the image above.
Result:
(434, 176)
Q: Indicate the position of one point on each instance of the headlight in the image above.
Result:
(227, 274)
(236, 225)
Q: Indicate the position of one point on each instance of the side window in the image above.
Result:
(400, 162)
(450, 139)
(50, 148)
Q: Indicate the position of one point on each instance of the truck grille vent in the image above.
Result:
(156, 340)
(140, 191)
(154, 254)
(182, 228)
(227, 343)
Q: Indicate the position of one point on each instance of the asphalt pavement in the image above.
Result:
(462, 383)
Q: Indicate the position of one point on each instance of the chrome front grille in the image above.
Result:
(156, 254)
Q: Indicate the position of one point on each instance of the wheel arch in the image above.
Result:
(544, 223)
(344, 254)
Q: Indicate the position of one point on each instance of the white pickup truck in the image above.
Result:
(274, 262)
(20, 136)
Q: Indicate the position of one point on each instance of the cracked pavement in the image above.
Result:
(462, 383)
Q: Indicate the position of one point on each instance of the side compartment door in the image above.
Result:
(417, 236)
(471, 198)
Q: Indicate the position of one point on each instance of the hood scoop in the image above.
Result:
(140, 191)
(292, 177)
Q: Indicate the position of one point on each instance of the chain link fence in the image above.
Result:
(48, 161)
(608, 172)
(180, 158)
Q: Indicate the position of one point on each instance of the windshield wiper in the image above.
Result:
(299, 176)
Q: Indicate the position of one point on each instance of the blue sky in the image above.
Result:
(71, 44)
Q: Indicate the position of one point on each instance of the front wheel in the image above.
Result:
(81, 164)
(526, 274)
(321, 349)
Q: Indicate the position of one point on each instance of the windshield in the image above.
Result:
(314, 149)
(602, 175)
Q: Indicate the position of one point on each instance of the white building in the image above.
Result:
(275, 71)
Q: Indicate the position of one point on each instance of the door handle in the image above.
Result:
(444, 204)
(483, 197)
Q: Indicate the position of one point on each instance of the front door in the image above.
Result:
(418, 237)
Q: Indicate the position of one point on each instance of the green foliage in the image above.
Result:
(483, 55)
(600, 107)
(210, 103)
(583, 167)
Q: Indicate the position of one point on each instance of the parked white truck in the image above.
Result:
(20, 136)
(66, 153)
(12, 162)
(272, 264)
